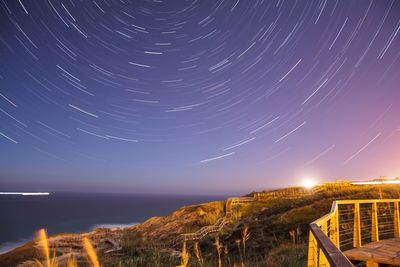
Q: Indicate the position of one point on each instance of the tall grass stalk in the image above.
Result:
(185, 256)
(90, 252)
(218, 248)
(238, 242)
(44, 245)
(245, 238)
(226, 252)
(71, 261)
(198, 254)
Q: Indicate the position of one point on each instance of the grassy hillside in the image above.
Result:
(268, 233)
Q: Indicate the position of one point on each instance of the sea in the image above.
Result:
(22, 216)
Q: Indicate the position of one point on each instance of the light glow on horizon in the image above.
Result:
(26, 193)
(309, 183)
(376, 182)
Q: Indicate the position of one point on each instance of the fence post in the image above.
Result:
(356, 230)
(311, 251)
(334, 230)
(396, 219)
(337, 228)
(323, 261)
(374, 223)
(324, 228)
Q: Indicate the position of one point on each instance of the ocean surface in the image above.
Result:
(22, 216)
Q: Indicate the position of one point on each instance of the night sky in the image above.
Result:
(206, 96)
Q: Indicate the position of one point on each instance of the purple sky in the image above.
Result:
(200, 97)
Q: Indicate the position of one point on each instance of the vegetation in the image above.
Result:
(206, 217)
(271, 232)
(52, 261)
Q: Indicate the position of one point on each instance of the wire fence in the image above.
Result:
(351, 224)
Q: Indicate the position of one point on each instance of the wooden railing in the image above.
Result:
(351, 224)
(288, 193)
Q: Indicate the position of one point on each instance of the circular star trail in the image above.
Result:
(197, 96)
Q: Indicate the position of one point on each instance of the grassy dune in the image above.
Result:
(268, 233)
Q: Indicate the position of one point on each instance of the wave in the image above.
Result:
(8, 246)
(112, 225)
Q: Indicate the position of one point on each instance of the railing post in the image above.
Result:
(324, 228)
(396, 219)
(356, 230)
(323, 261)
(374, 223)
(337, 228)
(312, 251)
(334, 230)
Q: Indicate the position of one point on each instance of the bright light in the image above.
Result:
(376, 182)
(309, 183)
(26, 193)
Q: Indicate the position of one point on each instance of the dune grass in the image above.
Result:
(50, 259)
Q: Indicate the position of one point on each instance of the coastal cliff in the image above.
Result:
(276, 223)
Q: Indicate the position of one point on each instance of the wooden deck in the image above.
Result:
(385, 252)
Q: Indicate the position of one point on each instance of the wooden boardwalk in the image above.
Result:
(219, 224)
(385, 252)
(350, 224)
(205, 230)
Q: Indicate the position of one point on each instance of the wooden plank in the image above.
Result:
(385, 252)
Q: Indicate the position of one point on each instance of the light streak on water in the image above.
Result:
(26, 193)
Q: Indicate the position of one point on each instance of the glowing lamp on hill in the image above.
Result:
(308, 183)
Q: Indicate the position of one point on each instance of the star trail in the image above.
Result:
(197, 96)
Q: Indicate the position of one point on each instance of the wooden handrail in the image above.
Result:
(334, 256)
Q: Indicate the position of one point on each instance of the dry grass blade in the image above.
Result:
(238, 242)
(245, 237)
(226, 251)
(38, 263)
(91, 253)
(299, 232)
(197, 253)
(71, 262)
(218, 248)
(185, 256)
(54, 261)
(292, 236)
(44, 245)
(245, 233)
